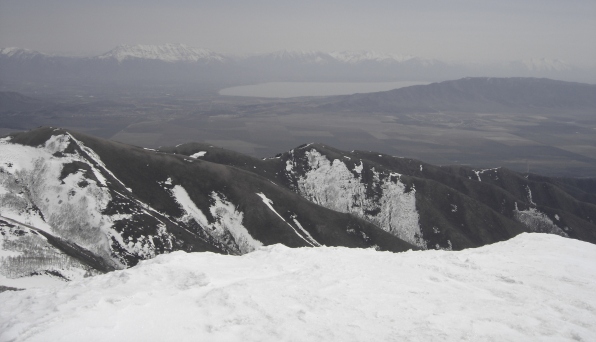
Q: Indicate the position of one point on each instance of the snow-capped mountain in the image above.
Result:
(338, 57)
(166, 53)
(303, 57)
(18, 53)
(354, 57)
(545, 64)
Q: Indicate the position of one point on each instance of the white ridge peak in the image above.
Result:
(166, 52)
(354, 57)
(304, 56)
(19, 52)
(545, 64)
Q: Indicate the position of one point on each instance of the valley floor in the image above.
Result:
(533, 287)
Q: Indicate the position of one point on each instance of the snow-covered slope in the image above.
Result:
(167, 53)
(385, 202)
(111, 205)
(535, 287)
(63, 188)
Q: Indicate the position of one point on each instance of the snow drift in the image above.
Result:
(532, 287)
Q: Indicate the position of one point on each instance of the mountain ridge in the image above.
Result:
(476, 94)
(167, 53)
(123, 204)
(201, 65)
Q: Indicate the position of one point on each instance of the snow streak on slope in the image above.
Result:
(198, 154)
(481, 171)
(304, 236)
(98, 161)
(333, 185)
(227, 227)
(535, 287)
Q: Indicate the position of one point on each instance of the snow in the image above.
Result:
(355, 57)
(15, 52)
(192, 212)
(69, 211)
(306, 57)
(97, 160)
(537, 221)
(57, 143)
(32, 282)
(334, 186)
(305, 232)
(530, 195)
(358, 168)
(166, 52)
(545, 64)
(533, 287)
(228, 221)
(28, 260)
(35, 192)
(479, 172)
(308, 239)
(199, 154)
(344, 57)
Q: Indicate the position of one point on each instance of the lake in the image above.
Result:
(295, 89)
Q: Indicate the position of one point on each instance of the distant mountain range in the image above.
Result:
(72, 205)
(181, 63)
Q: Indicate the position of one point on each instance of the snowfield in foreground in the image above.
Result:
(533, 287)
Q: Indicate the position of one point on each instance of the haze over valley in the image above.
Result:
(297, 171)
(526, 124)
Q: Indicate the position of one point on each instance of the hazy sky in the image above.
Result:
(452, 30)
